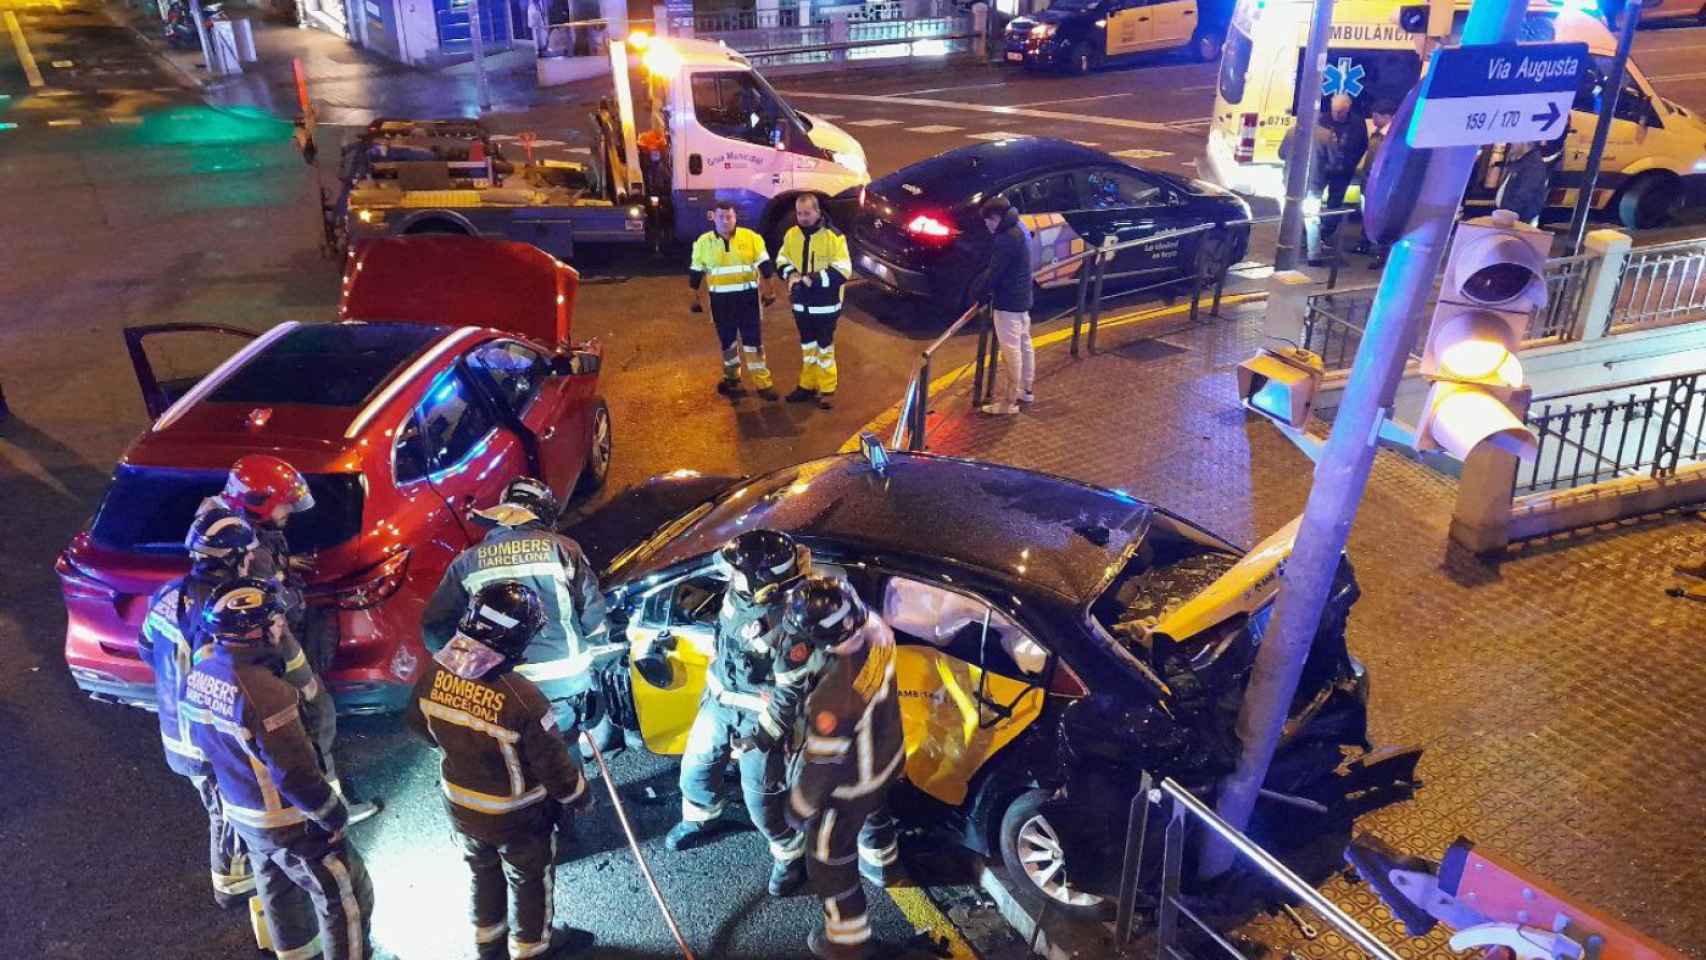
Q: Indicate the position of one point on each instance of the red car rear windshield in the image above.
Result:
(149, 509)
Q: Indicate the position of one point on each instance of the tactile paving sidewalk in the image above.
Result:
(1560, 694)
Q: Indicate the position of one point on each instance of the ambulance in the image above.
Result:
(1655, 159)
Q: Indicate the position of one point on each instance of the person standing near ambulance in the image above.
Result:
(731, 264)
(815, 264)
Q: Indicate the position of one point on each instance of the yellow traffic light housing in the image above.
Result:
(1281, 384)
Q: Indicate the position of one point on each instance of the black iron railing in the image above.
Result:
(1625, 429)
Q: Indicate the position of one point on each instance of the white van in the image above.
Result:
(1655, 156)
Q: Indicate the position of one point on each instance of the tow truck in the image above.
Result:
(715, 132)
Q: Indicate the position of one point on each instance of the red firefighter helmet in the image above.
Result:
(261, 485)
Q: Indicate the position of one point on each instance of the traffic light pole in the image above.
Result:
(1612, 87)
(1302, 156)
(1348, 456)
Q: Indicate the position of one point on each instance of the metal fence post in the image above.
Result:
(1172, 865)
(1100, 262)
(1084, 269)
(1196, 296)
(1131, 874)
(994, 355)
(1673, 425)
(977, 378)
(920, 400)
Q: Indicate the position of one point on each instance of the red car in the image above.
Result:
(451, 373)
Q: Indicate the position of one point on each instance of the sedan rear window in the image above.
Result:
(149, 509)
(326, 364)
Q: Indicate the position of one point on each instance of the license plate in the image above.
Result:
(880, 270)
(1015, 56)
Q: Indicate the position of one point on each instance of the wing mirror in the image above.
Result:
(581, 360)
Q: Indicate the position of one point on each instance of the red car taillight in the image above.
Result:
(80, 584)
(930, 230)
(1246, 150)
(369, 588)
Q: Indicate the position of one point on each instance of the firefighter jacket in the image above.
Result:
(819, 257)
(729, 265)
(742, 671)
(555, 568)
(170, 650)
(854, 741)
(502, 754)
(247, 721)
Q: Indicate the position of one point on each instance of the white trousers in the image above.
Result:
(1018, 368)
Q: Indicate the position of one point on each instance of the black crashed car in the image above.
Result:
(918, 233)
(1054, 640)
(1081, 35)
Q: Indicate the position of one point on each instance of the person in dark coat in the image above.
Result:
(1343, 146)
(1526, 183)
(1006, 285)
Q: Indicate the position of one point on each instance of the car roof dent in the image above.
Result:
(219, 374)
(423, 362)
(1245, 588)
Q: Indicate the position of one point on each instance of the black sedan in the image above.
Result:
(918, 233)
(1055, 640)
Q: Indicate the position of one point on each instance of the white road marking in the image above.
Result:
(504, 137)
(968, 86)
(127, 118)
(70, 122)
(26, 59)
(827, 116)
(1678, 77)
(996, 135)
(64, 64)
(1142, 153)
(984, 108)
(56, 93)
(872, 122)
(1197, 88)
(934, 128)
(1099, 96)
(1087, 143)
(585, 151)
(1187, 124)
(549, 143)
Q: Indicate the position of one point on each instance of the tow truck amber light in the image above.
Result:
(930, 229)
(366, 589)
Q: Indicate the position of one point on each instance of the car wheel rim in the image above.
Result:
(601, 444)
(1044, 860)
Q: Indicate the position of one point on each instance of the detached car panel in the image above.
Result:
(402, 428)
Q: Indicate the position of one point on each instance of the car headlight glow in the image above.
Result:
(370, 216)
(1042, 31)
(852, 160)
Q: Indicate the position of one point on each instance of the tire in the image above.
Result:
(1039, 874)
(599, 450)
(1080, 59)
(1651, 201)
(1205, 46)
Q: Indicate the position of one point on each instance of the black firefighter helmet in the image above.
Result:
(760, 564)
(504, 615)
(824, 612)
(241, 611)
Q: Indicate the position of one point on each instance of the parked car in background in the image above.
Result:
(1081, 35)
(918, 232)
(451, 373)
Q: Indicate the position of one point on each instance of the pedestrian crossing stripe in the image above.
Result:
(70, 122)
(934, 128)
(1087, 143)
(872, 122)
(128, 119)
(997, 135)
(1142, 153)
(826, 116)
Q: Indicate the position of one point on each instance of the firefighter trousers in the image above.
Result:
(739, 319)
(763, 778)
(228, 862)
(845, 832)
(512, 893)
(817, 347)
(315, 893)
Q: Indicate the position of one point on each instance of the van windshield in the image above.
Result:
(149, 509)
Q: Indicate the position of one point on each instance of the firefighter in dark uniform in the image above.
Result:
(739, 714)
(247, 721)
(506, 773)
(524, 546)
(732, 264)
(854, 751)
(815, 264)
(220, 547)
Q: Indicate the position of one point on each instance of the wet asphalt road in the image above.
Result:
(127, 199)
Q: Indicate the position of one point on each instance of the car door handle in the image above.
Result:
(695, 164)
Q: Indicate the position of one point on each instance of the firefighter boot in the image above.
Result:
(730, 388)
(495, 950)
(787, 877)
(825, 949)
(568, 942)
(691, 833)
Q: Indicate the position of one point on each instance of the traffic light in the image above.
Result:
(1281, 384)
(1494, 282)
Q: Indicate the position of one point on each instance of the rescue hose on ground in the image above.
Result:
(634, 845)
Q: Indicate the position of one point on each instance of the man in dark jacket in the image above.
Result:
(506, 773)
(1344, 143)
(1006, 285)
(247, 721)
(1527, 182)
(524, 546)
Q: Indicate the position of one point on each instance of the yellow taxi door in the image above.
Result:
(1129, 27)
(1173, 23)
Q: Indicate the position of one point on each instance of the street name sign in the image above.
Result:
(1497, 93)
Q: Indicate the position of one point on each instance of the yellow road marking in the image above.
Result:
(921, 912)
(32, 73)
(885, 421)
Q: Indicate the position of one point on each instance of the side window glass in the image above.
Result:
(696, 602)
(1114, 189)
(518, 371)
(734, 105)
(963, 627)
(452, 421)
(1055, 193)
(410, 456)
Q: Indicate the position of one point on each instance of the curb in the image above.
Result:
(189, 80)
(887, 419)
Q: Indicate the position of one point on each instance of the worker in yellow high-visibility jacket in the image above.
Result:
(731, 263)
(816, 266)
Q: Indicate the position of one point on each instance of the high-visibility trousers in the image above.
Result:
(738, 318)
(817, 347)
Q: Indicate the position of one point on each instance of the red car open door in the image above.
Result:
(178, 357)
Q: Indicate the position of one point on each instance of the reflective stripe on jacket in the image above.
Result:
(247, 720)
(729, 265)
(165, 647)
(502, 752)
(820, 258)
(854, 742)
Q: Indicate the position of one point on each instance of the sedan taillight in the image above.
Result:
(369, 588)
(80, 584)
(930, 230)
